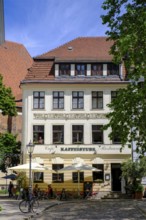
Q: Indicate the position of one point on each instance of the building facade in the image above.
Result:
(65, 97)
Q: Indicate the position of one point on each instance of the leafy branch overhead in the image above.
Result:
(126, 22)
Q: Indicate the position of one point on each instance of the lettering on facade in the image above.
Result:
(109, 148)
(69, 116)
(77, 149)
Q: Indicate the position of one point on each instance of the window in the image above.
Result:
(112, 69)
(57, 177)
(97, 134)
(98, 176)
(38, 134)
(116, 138)
(38, 177)
(80, 69)
(97, 69)
(77, 134)
(58, 134)
(38, 100)
(75, 177)
(58, 100)
(97, 100)
(77, 100)
(113, 95)
(64, 69)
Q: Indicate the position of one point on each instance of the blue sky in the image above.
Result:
(42, 25)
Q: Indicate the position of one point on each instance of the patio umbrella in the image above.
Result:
(35, 167)
(25, 167)
(10, 176)
(78, 167)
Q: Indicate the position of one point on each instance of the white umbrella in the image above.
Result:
(78, 167)
(25, 167)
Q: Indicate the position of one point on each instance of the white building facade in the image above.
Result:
(65, 97)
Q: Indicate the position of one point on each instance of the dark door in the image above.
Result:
(116, 177)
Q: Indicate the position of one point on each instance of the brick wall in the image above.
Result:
(13, 124)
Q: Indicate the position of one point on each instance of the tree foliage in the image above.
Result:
(9, 151)
(9, 147)
(126, 20)
(133, 173)
(7, 100)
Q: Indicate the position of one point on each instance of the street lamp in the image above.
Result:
(30, 148)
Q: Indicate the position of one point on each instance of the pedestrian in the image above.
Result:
(35, 190)
(50, 191)
(10, 189)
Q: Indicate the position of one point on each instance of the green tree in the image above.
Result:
(9, 146)
(126, 22)
(7, 100)
(133, 173)
(9, 151)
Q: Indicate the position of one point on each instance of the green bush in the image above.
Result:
(3, 191)
(139, 188)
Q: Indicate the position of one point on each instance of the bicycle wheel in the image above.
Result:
(24, 206)
(34, 205)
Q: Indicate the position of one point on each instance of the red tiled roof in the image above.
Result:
(14, 62)
(89, 48)
(84, 49)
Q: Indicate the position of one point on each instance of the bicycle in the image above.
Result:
(29, 205)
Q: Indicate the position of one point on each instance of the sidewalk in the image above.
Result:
(11, 207)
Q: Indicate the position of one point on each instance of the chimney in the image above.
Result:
(2, 30)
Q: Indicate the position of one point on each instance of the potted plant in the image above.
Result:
(133, 171)
(139, 191)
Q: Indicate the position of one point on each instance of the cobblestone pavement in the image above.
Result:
(103, 210)
(77, 210)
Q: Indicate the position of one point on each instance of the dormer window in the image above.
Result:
(64, 69)
(112, 69)
(80, 69)
(97, 69)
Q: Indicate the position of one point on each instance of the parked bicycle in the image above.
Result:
(29, 203)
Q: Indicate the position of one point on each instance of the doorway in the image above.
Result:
(116, 177)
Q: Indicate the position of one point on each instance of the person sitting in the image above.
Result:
(63, 194)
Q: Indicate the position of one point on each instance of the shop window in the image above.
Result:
(97, 134)
(97, 69)
(58, 100)
(58, 134)
(38, 100)
(98, 176)
(38, 134)
(77, 100)
(57, 177)
(77, 134)
(38, 177)
(75, 177)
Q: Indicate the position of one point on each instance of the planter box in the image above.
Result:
(138, 195)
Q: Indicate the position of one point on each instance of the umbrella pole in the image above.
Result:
(78, 183)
